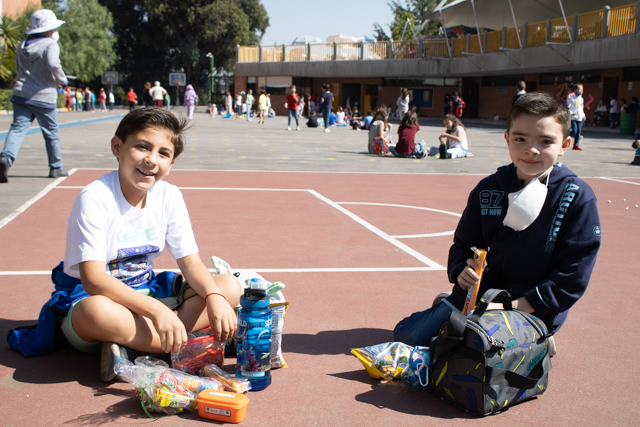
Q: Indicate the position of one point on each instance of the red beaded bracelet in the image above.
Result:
(214, 293)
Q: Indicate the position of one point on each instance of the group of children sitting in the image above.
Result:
(543, 244)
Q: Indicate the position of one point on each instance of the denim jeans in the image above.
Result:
(293, 113)
(421, 327)
(23, 116)
(576, 131)
(325, 116)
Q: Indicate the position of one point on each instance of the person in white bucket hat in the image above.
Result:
(34, 95)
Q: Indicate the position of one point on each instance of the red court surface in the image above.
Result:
(358, 252)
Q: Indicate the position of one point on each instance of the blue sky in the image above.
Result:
(290, 19)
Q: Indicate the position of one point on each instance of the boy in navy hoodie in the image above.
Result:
(537, 219)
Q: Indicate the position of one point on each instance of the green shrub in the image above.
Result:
(5, 100)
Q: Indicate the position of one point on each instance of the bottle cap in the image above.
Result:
(257, 284)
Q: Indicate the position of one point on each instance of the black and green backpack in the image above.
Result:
(490, 360)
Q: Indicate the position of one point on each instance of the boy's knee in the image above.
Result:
(230, 286)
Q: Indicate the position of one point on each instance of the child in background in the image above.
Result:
(262, 107)
(340, 116)
(117, 226)
(455, 137)
(102, 98)
(407, 130)
(575, 103)
(355, 118)
(249, 102)
(541, 251)
(292, 106)
(313, 120)
(379, 128)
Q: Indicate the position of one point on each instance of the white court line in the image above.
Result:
(411, 236)
(380, 233)
(619, 180)
(7, 219)
(260, 270)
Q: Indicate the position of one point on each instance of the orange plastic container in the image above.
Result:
(222, 406)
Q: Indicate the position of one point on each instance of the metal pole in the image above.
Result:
(213, 81)
(177, 94)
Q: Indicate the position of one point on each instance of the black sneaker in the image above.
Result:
(4, 169)
(57, 173)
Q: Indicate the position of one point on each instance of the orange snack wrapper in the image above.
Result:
(479, 255)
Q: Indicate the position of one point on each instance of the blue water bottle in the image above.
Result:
(254, 336)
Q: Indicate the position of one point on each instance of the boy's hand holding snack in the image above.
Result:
(469, 275)
(222, 318)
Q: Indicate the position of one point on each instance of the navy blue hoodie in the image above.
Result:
(550, 262)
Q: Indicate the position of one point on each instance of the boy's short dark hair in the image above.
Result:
(541, 104)
(158, 118)
(521, 85)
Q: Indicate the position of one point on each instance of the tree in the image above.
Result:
(157, 37)
(11, 32)
(408, 19)
(86, 40)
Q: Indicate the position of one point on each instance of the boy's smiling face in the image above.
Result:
(144, 159)
(535, 143)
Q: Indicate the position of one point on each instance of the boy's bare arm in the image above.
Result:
(222, 318)
(169, 327)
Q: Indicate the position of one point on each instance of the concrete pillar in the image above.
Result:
(390, 49)
(420, 44)
(525, 34)
(547, 36)
(574, 27)
(503, 44)
(284, 53)
(361, 50)
(467, 43)
(259, 53)
(237, 52)
(605, 22)
(308, 52)
(335, 51)
(484, 41)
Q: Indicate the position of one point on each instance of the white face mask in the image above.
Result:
(55, 36)
(525, 205)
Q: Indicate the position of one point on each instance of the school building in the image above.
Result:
(569, 41)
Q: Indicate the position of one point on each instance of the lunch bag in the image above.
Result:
(490, 360)
(378, 146)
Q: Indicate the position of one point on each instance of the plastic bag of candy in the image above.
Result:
(229, 382)
(198, 352)
(156, 387)
(386, 360)
(161, 389)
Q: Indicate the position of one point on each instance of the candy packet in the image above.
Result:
(229, 382)
(479, 256)
(386, 360)
(197, 353)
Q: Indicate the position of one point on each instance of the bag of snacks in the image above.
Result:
(277, 303)
(198, 352)
(229, 382)
(386, 360)
(161, 389)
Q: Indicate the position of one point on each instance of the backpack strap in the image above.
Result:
(503, 377)
(453, 337)
(488, 298)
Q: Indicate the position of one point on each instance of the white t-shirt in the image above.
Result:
(575, 103)
(460, 133)
(103, 226)
(614, 106)
(340, 117)
(111, 98)
(373, 130)
(403, 103)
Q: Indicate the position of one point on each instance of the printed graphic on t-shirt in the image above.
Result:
(133, 266)
(490, 202)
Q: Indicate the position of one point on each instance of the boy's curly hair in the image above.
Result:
(158, 118)
(541, 104)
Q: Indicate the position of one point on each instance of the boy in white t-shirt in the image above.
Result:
(118, 225)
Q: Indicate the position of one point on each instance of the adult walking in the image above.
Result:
(34, 95)
(190, 98)
(157, 93)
